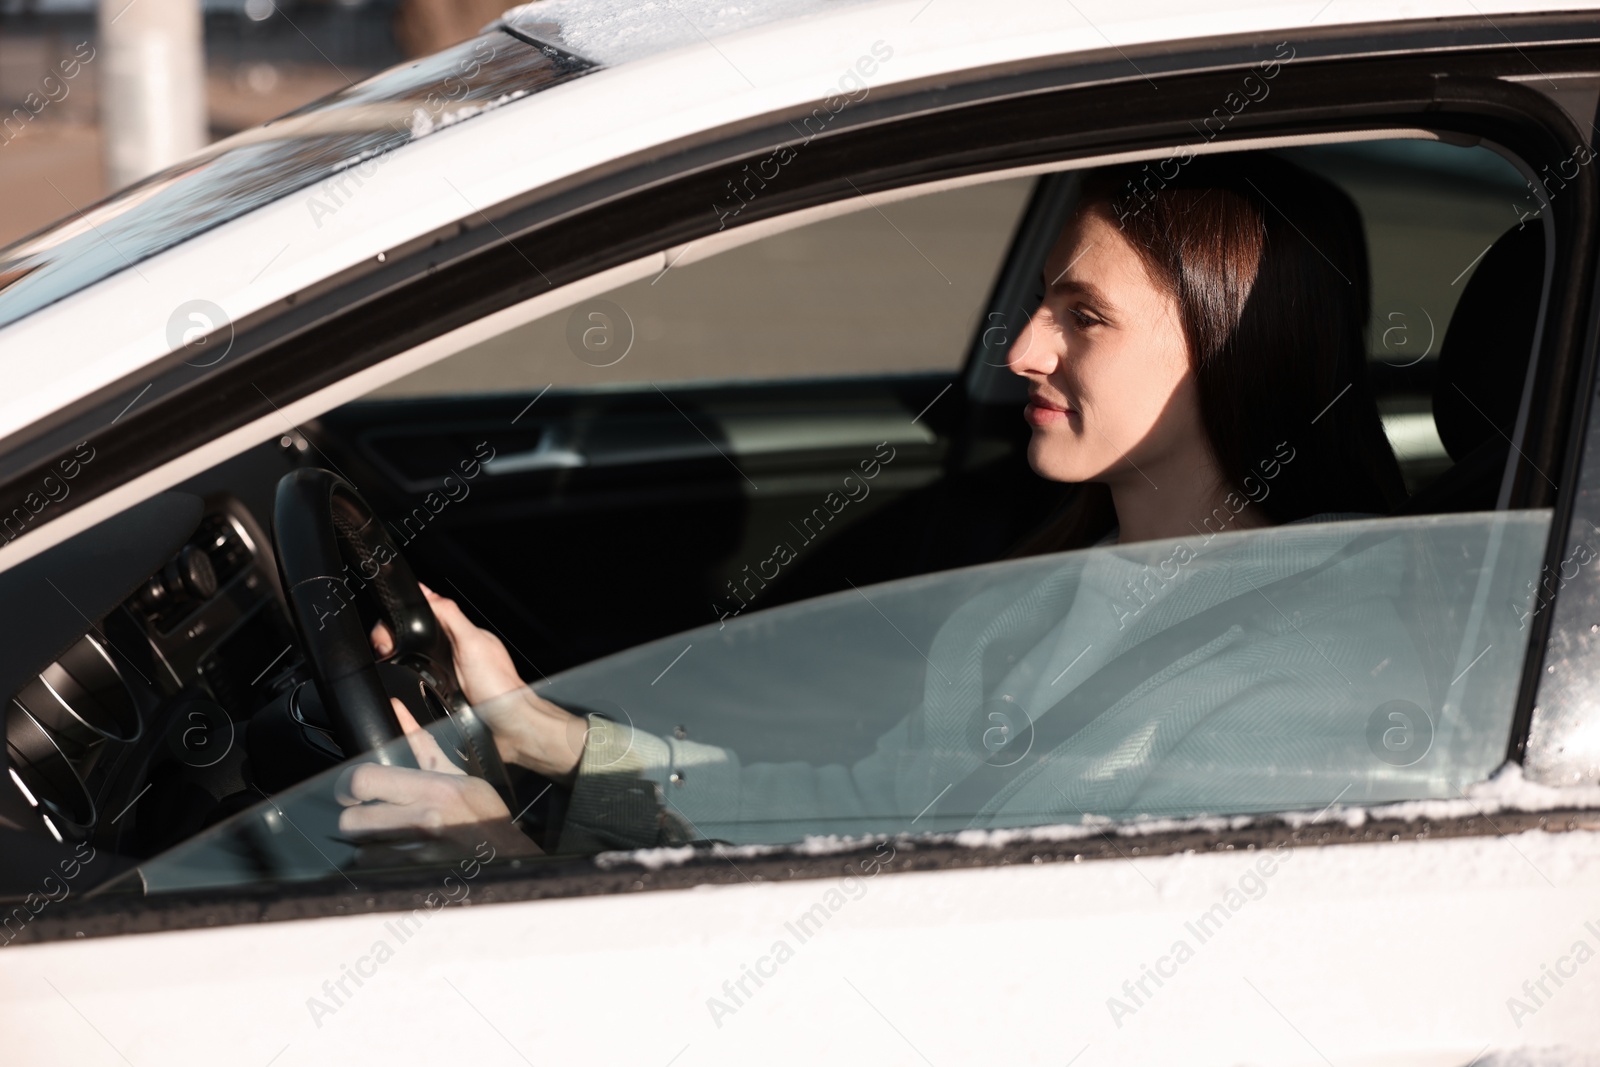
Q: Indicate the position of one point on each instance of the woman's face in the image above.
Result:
(1112, 393)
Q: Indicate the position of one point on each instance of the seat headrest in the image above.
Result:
(1484, 359)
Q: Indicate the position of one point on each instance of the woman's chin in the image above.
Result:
(1056, 460)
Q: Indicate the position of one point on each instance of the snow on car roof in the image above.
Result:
(618, 31)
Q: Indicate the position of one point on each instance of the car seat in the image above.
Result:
(1482, 366)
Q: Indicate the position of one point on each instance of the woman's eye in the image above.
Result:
(1082, 319)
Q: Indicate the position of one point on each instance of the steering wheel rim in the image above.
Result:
(332, 549)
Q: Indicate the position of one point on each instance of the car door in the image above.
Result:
(1300, 959)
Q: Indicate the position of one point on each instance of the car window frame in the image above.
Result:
(1554, 734)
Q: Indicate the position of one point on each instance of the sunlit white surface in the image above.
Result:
(1359, 955)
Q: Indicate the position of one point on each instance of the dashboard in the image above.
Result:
(134, 736)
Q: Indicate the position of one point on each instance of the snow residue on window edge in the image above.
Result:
(650, 858)
(422, 124)
(357, 160)
(1505, 790)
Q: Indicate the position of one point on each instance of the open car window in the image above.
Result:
(756, 522)
(882, 289)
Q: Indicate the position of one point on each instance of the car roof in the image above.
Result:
(667, 87)
(619, 31)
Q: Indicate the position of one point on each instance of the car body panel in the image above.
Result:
(1365, 954)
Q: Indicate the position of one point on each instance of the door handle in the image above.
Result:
(548, 455)
(742, 436)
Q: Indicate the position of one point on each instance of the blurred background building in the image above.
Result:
(96, 93)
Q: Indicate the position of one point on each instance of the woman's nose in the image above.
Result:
(1031, 352)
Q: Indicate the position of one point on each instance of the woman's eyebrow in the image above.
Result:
(1074, 283)
(1063, 284)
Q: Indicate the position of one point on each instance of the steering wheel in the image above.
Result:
(332, 551)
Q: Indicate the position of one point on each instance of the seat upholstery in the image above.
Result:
(1482, 366)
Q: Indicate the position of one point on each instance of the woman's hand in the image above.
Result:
(483, 666)
(440, 800)
(529, 731)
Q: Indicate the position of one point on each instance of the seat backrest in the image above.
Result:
(1484, 358)
(1483, 363)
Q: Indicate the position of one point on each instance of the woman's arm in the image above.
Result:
(637, 790)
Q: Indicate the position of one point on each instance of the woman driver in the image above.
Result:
(1198, 358)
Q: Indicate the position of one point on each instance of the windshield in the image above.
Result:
(347, 133)
(1283, 669)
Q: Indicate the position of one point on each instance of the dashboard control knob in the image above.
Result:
(153, 594)
(189, 577)
(194, 573)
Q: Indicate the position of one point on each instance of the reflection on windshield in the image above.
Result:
(1279, 669)
(336, 134)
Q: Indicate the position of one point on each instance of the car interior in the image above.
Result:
(579, 502)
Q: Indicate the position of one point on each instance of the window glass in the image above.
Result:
(896, 289)
(1281, 669)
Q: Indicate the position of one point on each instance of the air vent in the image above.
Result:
(56, 726)
(46, 777)
(82, 699)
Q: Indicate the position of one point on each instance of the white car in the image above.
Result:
(669, 341)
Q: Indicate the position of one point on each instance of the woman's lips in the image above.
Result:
(1043, 413)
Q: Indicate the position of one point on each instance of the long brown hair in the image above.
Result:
(1268, 265)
